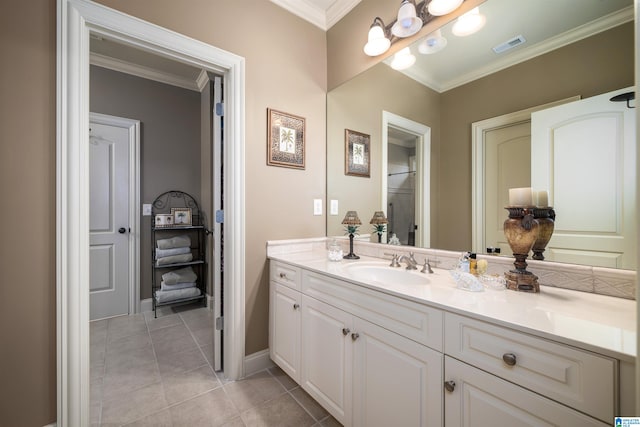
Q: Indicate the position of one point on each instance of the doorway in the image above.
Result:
(406, 168)
(76, 20)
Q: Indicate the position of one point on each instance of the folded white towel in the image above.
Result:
(174, 242)
(161, 253)
(166, 296)
(177, 276)
(174, 259)
(181, 285)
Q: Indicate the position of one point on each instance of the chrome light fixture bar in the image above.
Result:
(411, 18)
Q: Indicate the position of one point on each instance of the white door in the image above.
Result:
(508, 165)
(583, 153)
(396, 381)
(109, 235)
(326, 357)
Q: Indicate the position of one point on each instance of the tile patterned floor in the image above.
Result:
(158, 372)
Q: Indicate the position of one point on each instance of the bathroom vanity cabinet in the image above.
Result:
(375, 359)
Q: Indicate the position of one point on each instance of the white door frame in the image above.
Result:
(478, 160)
(75, 20)
(423, 178)
(133, 128)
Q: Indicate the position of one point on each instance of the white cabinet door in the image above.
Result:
(396, 382)
(481, 399)
(284, 329)
(327, 356)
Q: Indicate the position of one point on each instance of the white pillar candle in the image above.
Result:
(521, 197)
(542, 199)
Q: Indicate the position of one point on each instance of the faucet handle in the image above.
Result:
(412, 258)
(426, 268)
(394, 261)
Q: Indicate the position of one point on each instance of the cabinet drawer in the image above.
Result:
(414, 321)
(285, 274)
(582, 380)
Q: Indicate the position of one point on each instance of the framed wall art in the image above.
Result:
(164, 220)
(181, 216)
(286, 139)
(357, 153)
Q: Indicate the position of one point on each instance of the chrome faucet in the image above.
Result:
(410, 260)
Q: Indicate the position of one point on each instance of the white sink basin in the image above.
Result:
(381, 273)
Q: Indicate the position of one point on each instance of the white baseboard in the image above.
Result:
(257, 362)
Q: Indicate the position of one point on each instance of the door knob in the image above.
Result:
(450, 386)
(122, 230)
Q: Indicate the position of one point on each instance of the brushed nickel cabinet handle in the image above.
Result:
(296, 306)
(509, 359)
(283, 275)
(355, 336)
(449, 386)
(345, 331)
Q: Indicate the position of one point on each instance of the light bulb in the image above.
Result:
(469, 23)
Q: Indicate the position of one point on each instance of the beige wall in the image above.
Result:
(285, 69)
(599, 64)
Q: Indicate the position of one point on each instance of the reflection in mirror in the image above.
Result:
(453, 93)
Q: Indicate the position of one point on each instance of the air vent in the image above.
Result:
(509, 44)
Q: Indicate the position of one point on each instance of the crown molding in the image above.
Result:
(323, 19)
(144, 72)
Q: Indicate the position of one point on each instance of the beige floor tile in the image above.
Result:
(163, 322)
(94, 413)
(185, 385)
(98, 325)
(236, 422)
(283, 378)
(128, 407)
(170, 333)
(159, 419)
(207, 350)
(254, 390)
(181, 362)
(171, 347)
(124, 326)
(129, 343)
(204, 336)
(130, 361)
(283, 411)
(308, 403)
(116, 384)
(211, 409)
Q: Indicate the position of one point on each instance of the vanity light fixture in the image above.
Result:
(351, 222)
(403, 59)
(377, 42)
(433, 43)
(411, 18)
(408, 22)
(469, 23)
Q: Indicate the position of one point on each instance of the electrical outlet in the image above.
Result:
(334, 207)
(317, 206)
(146, 209)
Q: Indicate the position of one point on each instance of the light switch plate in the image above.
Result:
(146, 209)
(317, 206)
(334, 207)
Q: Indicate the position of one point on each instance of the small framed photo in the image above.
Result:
(164, 220)
(357, 153)
(286, 139)
(181, 216)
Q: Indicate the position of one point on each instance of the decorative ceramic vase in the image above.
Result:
(546, 219)
(521, 230)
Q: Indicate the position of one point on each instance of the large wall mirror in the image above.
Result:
(572, 49)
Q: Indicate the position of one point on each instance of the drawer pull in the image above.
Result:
(283, 275)
(509, 359)
(296, 306)
(345, 331)
(355, 336)
(450, 386)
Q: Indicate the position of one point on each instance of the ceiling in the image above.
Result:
(464, 59)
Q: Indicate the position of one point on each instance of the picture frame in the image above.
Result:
(181, 217)
(286, 139)
(357, 153)
(163, 220)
